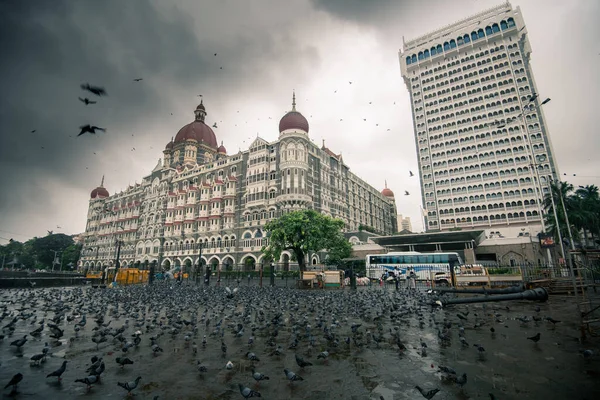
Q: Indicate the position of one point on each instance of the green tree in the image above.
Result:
(71, 255)
(305, 231)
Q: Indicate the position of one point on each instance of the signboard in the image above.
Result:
(546, 240)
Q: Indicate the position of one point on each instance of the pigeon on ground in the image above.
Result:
(301, 363)
(252, 356)
(19, 342)
(247, 392)
(14, 381)
(59, 371)
(535, 338)
(427, 394)
(123, 361)
(259, 377)
(129, 386)
(37, 358)
(292, 376)
(89, 381)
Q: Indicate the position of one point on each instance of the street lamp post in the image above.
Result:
(117, 262)
(272, 274)
(528, 108)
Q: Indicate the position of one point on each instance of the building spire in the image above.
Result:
(323, 142)
(386, 183)
(294, 100)
(102, 181)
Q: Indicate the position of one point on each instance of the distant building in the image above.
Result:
(485, 157)
(404, 224)
(203, 206)
(78, 238)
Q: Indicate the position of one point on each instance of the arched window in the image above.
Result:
(426, 54)
(439, 48)
(452, 44)
(480, 34)
(511, 22)
(414, 58)
(408, 60)
(495, 28)
(460, 41)
(433, 51)
(420, 55)
(488, 30)
(474, 36)
(466, 39)
(446, 46)
(503, 25)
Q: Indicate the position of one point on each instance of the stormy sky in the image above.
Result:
(264, 50)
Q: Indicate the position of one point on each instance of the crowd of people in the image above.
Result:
(410, 278)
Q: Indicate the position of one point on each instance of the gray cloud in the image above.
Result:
(266, 49)
(50, 48)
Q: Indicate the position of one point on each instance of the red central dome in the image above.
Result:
(199, 132)
(293, 120)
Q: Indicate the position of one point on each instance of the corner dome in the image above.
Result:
(387, 192)
(100, 191)
(169, 145)
(222, 149)
(293, 119)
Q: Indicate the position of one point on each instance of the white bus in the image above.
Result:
(425, 265)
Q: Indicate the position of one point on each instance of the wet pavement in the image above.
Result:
(371, 366)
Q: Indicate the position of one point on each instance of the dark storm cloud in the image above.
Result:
(50, 47)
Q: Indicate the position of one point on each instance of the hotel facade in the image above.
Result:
(201, 206)
(485, 156)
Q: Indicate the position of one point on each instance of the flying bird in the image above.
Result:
(97, 90)
(33, 131)
(214, 125)
(91, 129)
(215, 54)
(138, 79)
(410, 173)
(406, 193)
(50, 232)
(87, 101)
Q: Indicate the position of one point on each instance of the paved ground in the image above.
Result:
(511, 367)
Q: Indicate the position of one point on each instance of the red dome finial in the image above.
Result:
(294, 100)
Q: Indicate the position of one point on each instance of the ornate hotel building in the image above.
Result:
(485, 156)
(200, 203)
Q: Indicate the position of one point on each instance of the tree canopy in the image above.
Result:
(39, 253)
(306, 231)
(582, 210)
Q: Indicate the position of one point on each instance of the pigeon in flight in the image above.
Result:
(50, 232)
(215, 125)
(87, 101)
(97, 90)
(138, 79)
(33, 131)
(406, 193)
(410, 173)
(91, 129)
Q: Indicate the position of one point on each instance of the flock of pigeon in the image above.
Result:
(169, 341)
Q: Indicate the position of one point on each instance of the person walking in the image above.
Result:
(413, 280)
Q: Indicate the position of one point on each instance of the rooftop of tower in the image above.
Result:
(463, 23)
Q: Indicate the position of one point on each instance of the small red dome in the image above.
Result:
(387, 192)
(169, 146)
(222, 149)
(197, 131)
(99, 192)
(293, 120)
